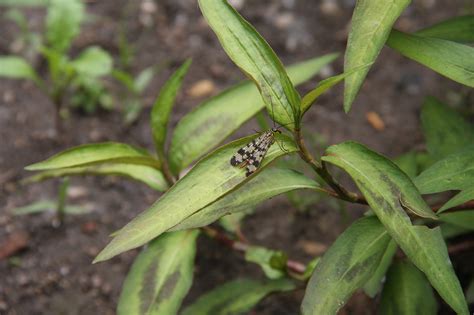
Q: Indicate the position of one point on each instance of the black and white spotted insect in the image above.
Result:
(251, 155)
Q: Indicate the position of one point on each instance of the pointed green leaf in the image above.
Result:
(455, 172)
(373, 285)
(36, 207)
(211, 122)
(464, 219)
(458, 29)
(17, 68)
(236, 297)
(63, 23)
(93, 61)
(388, 191)
(346, 266)
(161, 110)
(210, 179)
(371, 24)
(269, 183)
(251, 53)
(446, 131)
(161, 276)
(406, 291)
(462, 197)
(88, 154)
(450, 59)
(324, 86)
(142, 173)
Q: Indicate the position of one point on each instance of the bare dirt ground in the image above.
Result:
(53, 273)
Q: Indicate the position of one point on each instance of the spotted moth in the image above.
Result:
(251, 155)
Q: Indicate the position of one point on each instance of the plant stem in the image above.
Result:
(62, 195)
(320, 168)
(293, 266)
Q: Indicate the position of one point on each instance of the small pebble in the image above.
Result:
(202, 88)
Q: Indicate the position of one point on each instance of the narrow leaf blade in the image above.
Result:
(250, 52)
(214, 120)
(406, 291)
(161, 110)
(450, 59)
(236, 297)
(458, 29)
(269, 183)
(371, 25)
(89, 154)
(346, 266)
(161, 276)
(455, 172)
(148, 175)
(387, 191)
(211, 178)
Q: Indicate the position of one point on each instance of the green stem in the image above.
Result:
(321, 170)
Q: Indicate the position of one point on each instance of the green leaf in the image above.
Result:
(94, 61)
(269, 183)
(36, 207)
(446, 131)
(161, 276)
(214, 120)
(458, 29)
(373, 285)
(17, 68)
(324, 86)
(88, 154)
(371, 25)
(272, 262)
(455, 172)
(464, 219)
(236, 297)
(406, 291)
(63, 23)
(142, 173)
(210, 179)
(451, 59)
(407, 163)
(252, 54)
(346, 266)
(163, 105)
(125, 78)
(48, 206)
(462, 197)
(387, 191)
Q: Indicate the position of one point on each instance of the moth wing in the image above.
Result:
(255, 160)
(246, 152)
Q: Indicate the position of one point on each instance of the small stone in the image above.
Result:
(375, 121)
(89, 227)
(8, 97)
(96, 281)
(284, 20)
(237, 4)
(202, 88)
(312, 248)
(330, 7)
(64, 270)
(75, 192)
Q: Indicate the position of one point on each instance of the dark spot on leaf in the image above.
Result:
(168, 287)
(362, 266)
(147, 291)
